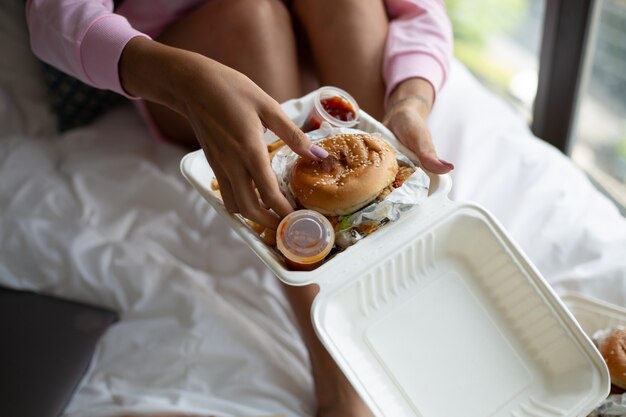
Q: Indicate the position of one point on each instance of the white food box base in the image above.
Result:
(593, 314)
(439, 314)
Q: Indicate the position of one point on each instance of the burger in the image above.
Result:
(612, 345)
(360, 169)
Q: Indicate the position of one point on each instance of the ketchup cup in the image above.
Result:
(332, 105)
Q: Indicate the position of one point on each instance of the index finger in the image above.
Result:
(278, 122)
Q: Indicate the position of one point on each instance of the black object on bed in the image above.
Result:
(46, 345)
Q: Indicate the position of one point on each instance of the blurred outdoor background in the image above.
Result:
(500, 42)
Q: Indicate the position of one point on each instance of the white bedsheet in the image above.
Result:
(102, 215)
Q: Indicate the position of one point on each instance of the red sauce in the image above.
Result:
(339, 108)
(312, 123)
(336, 107)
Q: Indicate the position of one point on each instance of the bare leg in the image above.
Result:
(335, 395)
(347, 39)
(254, 37)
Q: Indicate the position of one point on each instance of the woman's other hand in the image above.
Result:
(228, 113)
(407, 117)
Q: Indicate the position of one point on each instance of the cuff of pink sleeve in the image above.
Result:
(101, 49)
(414, 65)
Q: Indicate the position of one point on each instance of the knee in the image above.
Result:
(253, 18)
(313, 9)
(334, 15)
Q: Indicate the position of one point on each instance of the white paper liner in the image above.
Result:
(412, 193)
(601, 334)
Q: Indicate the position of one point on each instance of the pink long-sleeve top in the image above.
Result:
(85, 39)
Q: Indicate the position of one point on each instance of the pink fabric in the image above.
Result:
(101, 48)
(419, 43)
(82, 38)
(142, 108)
(86, 39)
(153, 16)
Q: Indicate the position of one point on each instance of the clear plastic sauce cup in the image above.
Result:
(332, 105)
(305, 238)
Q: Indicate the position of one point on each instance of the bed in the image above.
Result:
(101, 214)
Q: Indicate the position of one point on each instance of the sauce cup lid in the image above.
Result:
(305, 236)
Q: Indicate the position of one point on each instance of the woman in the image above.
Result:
(216, 71)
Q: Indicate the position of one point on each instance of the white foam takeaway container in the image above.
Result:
(593, 314)
(439, 314)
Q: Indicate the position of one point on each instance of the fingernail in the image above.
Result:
(450, 164)
(319, 152)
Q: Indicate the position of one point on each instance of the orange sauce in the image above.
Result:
(304, 238)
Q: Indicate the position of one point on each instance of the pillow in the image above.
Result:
(75, 103)
(36, 98)
(24, 104)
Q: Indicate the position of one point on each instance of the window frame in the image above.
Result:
(564, 64)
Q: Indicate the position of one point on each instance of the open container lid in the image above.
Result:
(439, 314)
(452, 320)
(593, 314)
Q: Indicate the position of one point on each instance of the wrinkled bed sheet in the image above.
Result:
(102, 215)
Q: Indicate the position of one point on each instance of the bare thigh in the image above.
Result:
(347, 40)
(254, 37)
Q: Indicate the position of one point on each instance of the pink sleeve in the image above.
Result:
(419, 43)
(80, 37)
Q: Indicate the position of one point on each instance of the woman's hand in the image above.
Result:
(407, 114)
(228, 113)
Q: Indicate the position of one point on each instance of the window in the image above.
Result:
(499, 41)
(599, 136)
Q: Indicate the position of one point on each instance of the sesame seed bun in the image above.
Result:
(358, 168)
(613, 350)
